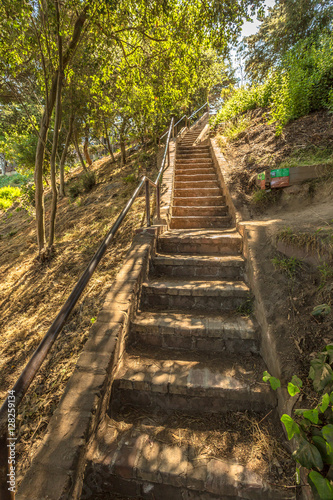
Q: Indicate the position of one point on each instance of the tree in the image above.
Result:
(287, 23)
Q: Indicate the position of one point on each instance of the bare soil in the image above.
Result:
(31, 292)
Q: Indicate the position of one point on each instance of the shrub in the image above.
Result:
(74, 190)
(7, 196)
(88, 180)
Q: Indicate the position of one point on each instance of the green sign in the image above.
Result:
(261, 176)
(280, 172)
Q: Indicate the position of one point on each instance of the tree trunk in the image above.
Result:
(123, 151)
(85, 147)
(77, 149)
(64, 155)
(57, 123)
(108, 142)
(43, 131)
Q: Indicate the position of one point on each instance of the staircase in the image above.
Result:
(191, 379)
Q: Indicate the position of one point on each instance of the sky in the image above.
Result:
(247, 29)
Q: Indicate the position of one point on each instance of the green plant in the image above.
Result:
(289, 265)
(326, 273)
(129, 179)
(74, 190)
(8, 195)
(312, 428)
(246, 308)
(88, 180)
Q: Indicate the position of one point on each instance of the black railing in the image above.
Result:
(29, 372)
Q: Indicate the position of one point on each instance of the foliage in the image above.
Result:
(7, 196)
(287, 23)
(312, 429)
(289, 265)
(300, 84)
(88, 180)
(14, 180)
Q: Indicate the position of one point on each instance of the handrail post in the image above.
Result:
(158, 201)
(147, 202)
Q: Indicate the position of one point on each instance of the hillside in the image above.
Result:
(298, 219)
(31, 293)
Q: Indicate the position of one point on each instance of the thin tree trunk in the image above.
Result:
(43, 131)
(57, 123)
(123, 151)
(64, 155)
(108, 142)
(85, 146)
(77, 148)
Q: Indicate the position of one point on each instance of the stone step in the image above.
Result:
(187, 192)
(201, 295)
(195, 177)
(201, 267)
(191, 171)
(197, 222)
(202, 211)
(195, 332)
(201, 241)
(179, 184)
(171, 380)
(193, 150)
(198, 201)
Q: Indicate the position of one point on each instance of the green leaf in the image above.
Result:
(266, 376)
(321, 310)
(324, 403)
(291, 427)
(327, 433)
(324, 449)
(296, 381)
(275, 382)
(312, 415)
(298, 475)
(320, 485)
(293, 389)
(320, 373)
(307, 454)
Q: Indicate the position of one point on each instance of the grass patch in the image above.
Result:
(8, 195)
(14, 180)
(319, 241)
(290, 266)
(232, 130)
(261, 198)
(309, 156)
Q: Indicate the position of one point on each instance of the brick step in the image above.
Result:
(202, 295)
(179, 184)
(197, 161)
(172, 380)
(197, 221)
(203, 211)
(187, 192)
(201, 267)
(163, 457)
(195, 171)
(195, 177)
(198, 201)
(192, 150)
(201, 241)
(195, 332)
(190, 156)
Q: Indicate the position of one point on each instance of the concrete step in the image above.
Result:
(187, 192)
(195, 178)
(180, 184)
(198, 201)
(202, 211)
(229, 267)
(201, 295)
(195, 332)
(170, 380)
(197, 221)
(201, 241)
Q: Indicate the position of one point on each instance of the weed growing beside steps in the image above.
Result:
(312, 428)
(289, 265)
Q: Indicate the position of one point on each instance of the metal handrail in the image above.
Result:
(29, 372)
(197, 111)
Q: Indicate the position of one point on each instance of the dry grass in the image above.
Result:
(31, 293)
